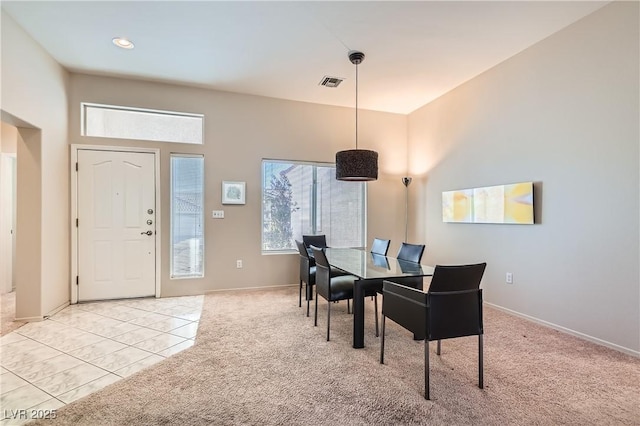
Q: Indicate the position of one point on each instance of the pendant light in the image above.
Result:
(356, 165)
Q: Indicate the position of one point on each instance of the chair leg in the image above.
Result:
(328, 318)
(300, 297)
(382, 343)
(438, 348)
(426, 369)
(309, 292)
(348, 307)
(375, 301)
(480, 363)
(315, 318)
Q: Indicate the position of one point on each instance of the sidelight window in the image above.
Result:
(187, 216)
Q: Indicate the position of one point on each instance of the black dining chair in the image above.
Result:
(410, 253)
(380, 261)
(379, 247)
(451, 308)
(319, 241)
(307, 273)
(330, 287)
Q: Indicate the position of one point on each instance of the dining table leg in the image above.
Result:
(358, 314)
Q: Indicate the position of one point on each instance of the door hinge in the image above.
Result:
(76, 166)
(76, 222)
(77, 280)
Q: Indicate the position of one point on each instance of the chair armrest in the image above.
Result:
(405, 306)
(410, 282)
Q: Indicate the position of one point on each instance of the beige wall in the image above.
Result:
(241, 130)
(564, 113)
(9, 138)
(34, 98)
(8, 147)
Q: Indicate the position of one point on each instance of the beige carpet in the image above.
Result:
(8, 313)
(259, 361)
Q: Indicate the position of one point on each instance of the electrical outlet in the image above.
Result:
(238, 264)
(218, 214)
(509, 278)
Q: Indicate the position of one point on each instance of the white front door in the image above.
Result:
(116, 224)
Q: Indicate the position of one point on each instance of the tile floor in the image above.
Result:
(85, 347)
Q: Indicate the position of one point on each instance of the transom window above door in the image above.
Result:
(110, 121)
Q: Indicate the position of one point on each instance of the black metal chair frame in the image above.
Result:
(325, 280)
(307, 274)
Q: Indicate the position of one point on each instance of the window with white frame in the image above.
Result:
(302, 198)
(187, 216)
(110, 121)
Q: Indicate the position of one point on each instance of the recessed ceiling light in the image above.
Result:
(123, 43)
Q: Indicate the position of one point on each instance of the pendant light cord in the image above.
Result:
(356, 106)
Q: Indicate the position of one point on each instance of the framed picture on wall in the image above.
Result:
(233, 192)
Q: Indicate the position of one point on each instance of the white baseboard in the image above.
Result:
(272, 287)
(601, 342)
(30, 319)
(58, 309)
(44, 317)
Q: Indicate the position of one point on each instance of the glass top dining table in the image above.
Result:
(371, 269)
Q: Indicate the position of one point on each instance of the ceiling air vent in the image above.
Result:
(330, 81)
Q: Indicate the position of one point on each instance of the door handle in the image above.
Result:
(149, 232)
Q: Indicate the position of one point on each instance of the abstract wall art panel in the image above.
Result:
(518, 203)
(511, 203)
(457, 206)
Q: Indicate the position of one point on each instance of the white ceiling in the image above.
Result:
(415, 51)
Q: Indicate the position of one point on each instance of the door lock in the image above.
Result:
(150, 211)
(149, 232)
